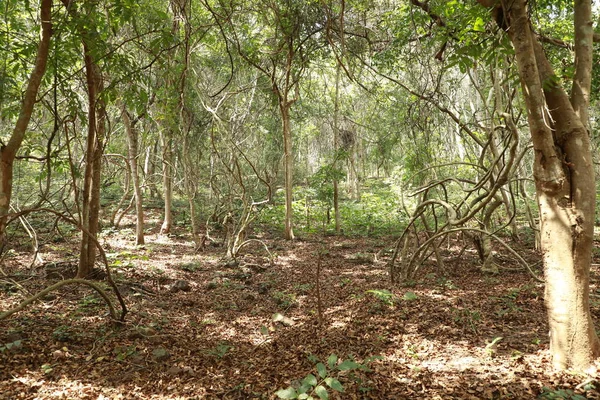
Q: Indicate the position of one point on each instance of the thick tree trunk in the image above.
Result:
(8, 152)
(132, 155)
(565, 186)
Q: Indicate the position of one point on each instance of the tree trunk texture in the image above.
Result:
(150, 170)
(9, 151)
(336, 133)
(167, 159)
(132, 156)
(288, 165)
(90, 206)
(565, 183)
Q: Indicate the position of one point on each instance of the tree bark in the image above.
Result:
(288, 166)
(336, 128)
(167, 159)
(132, 155)
(90, 207)
(9, 151)
(565, 183)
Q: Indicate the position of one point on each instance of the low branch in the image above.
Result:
(58, 285)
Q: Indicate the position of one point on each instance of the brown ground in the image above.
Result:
(220, 340)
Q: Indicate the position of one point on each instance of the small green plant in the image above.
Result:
(303, 288)
(490, 348)
(284, 300)
(563, 394)
(345, 282)
(220, 350)
(123, 352)
(446, 283)
(17, 344)
(89, 301)
(318, 386)
(409, 296)
(47, 369)
(412, 351)
(466, 317)
(384, 296)
(62, 333)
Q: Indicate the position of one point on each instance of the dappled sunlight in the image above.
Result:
(236, 326)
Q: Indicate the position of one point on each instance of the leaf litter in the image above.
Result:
(201, 328)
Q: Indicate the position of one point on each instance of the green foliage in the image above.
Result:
(563, 394)
(284, 300)
(62, 333)
(384, 296)
(318, 386)
(409, 296)
(220, 350)
(11, 346)
(89, 301)
(467, 318)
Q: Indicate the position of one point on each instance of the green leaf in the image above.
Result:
(322, 392)
(310, 379)
(304, 388)
(322, 369)
(312, 358)
(289, 393)
(479, 25)
(410, 296)
(332, 361)
(303, 396)
(334, 384)
(348, 365)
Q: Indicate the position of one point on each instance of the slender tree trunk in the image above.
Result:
(132, 155)
(150, 170)
(8, 152)
(336, 128)
(288, 165)
(565, 183)
(167, 159)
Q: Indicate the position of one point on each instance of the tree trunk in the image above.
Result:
(132, 155)
(93, 160)
(288, 165)
(336, 128)
(167, 182)
(565, 184)
(9, 151)
(149, 170)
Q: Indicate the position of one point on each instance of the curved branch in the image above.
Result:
(90, 236)
(58, 285)
(483, 232)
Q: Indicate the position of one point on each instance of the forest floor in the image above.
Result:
(200, 328)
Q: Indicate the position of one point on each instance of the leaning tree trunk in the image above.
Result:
(565, 183)
(8, 152)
